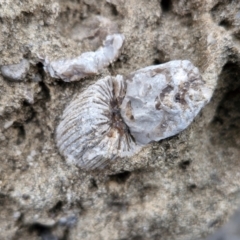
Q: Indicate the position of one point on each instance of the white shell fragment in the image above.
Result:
(91, 131)
(117, 116)
(16, 72)
(88, 63)
(163, 100)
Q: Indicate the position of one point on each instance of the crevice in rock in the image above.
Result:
(93, 184)
(21, 132)
(113, 9)
(166, 5)
(184, 164)
(45, 93)
(120, 177)
(57, 208)
(225, 126)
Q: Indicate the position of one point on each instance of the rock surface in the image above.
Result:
(183, 188)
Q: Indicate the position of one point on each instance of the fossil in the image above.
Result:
(115, 117)
(92, 131)
(162, 100)
(88, 63)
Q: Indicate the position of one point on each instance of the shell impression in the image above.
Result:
(92, 131)
(117, 116)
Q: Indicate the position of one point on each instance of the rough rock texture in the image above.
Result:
(183, 188)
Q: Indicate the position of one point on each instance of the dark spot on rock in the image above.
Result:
(157, 104)
(93, 184)
(213, 223)
(192, 187)
(113, 9)
(25, 196)
(165, 91)
(120, 177)
(116, 203)
(184, 164)
(45, 93)
(39, 66)
(43, 231)
(21, 132)
(156, 62)
(177, 97)
(129, 111)
(180, 98)
(225, 23)
(56, 208)
(166, 5)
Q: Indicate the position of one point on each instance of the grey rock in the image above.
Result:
(163, 100)
(230, 231)
(16, 72)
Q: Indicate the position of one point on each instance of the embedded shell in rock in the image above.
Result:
(88, 63)
(92, 131)
(117, 116)
(163, 100)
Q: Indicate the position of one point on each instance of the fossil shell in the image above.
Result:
(91, 130)
(163, 100)
(88, 63)
(117, 116)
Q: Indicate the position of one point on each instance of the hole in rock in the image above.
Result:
(225, 126)
(57, 208)
(45, 93)
(166, 5)
(93, 184)
(225, 23)
(113, 9)
(184, 164)
(120, 177)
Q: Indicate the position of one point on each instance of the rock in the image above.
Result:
(91, 132)
(184, 187)
(163, 100)
(88, 63)
(16, 72)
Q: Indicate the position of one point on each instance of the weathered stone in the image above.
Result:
(16, 72)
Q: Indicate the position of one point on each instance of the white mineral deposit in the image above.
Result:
(88, 63)
(163, 100)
